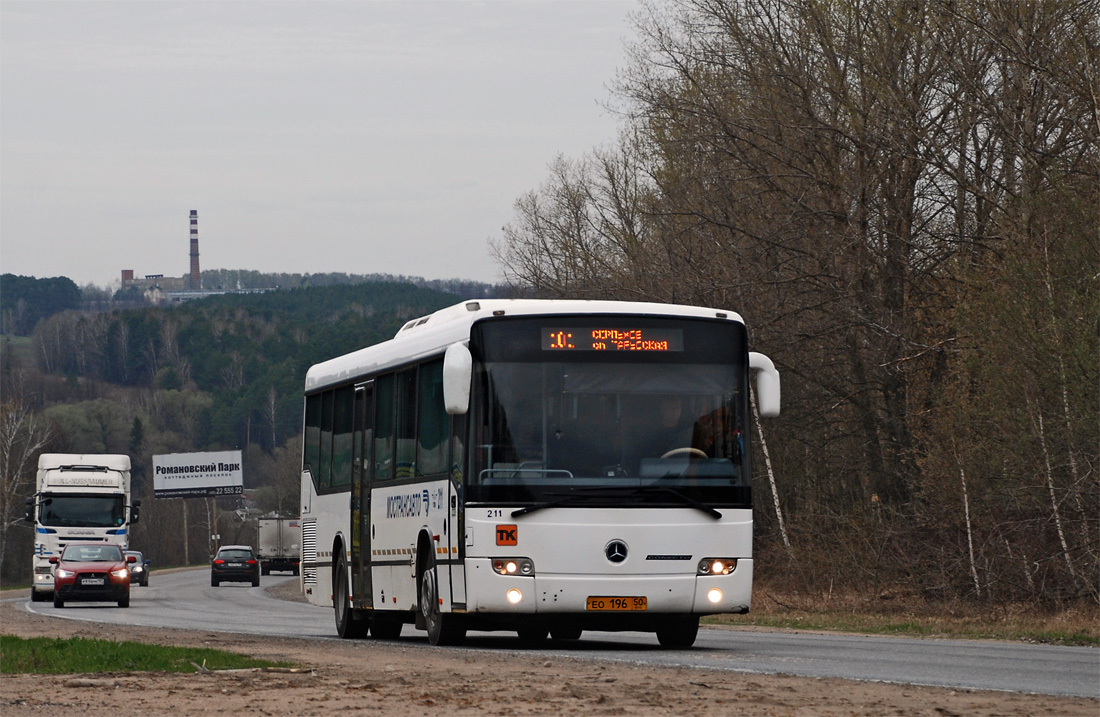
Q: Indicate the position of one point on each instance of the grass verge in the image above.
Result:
(78, 655)
(1074, 625)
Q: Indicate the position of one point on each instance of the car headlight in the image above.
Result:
(120, 573)
(63, 573)
(717, 566)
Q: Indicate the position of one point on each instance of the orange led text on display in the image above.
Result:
(607, 339)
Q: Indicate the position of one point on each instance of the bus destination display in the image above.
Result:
(612, 339)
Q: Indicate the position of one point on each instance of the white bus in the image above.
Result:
(546, 467)
(78, 498)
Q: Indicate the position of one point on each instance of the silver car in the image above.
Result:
(139, 571)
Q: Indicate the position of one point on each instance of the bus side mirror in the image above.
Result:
(135, 511)
(767, 384)
(29, 515)
(458, 366)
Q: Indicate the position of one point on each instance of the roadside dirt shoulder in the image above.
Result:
(388, 678)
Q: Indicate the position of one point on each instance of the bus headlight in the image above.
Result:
(714, 595)
(514, 566)
(717, 566)
(514, 596)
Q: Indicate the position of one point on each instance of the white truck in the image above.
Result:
(279, 544)
(79, 498)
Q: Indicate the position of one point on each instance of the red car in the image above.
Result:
(92, 572)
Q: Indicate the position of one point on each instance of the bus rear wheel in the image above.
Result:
(347, 626)
(443, 628)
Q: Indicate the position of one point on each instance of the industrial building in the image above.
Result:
(160, 289)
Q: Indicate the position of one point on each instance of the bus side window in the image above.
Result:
(433, 423)
(383, 429)
(405, 460)
(312, 449)
(344, 400)
(324, 462)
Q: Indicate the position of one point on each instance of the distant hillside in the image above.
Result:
(25, 300)
(245, 355)
(245, 279)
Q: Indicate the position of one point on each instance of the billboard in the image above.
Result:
(190, 475)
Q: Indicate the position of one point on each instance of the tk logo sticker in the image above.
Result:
(507, 535)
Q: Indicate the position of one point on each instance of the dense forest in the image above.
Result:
(25, 300)
(902, 201)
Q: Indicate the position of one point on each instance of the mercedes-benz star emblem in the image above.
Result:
(615, 551)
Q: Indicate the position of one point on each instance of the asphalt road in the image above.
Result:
(186, 600)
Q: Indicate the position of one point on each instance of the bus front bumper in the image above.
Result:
(489, 592)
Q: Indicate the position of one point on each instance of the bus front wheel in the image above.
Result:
(678, 631)
(443, 628)
(385, 626)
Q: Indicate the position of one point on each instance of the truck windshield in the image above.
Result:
(619, 427)
(82, 511)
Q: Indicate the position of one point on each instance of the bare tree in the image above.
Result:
(23, 436)
(871, 184)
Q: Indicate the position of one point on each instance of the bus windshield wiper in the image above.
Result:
(687, 500)
(582, 492)
(589, 491)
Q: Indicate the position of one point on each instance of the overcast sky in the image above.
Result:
(359, 137)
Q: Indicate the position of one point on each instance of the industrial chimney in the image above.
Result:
(196, 278)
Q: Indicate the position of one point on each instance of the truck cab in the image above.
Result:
(79, 498)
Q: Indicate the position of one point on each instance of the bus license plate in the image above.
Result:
(616, 603)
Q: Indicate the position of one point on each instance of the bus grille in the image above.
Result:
(309, 552)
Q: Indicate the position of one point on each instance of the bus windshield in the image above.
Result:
(663, 423)
(82, 511)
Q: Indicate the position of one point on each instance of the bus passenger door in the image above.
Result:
(363, 439)
(456, 511)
